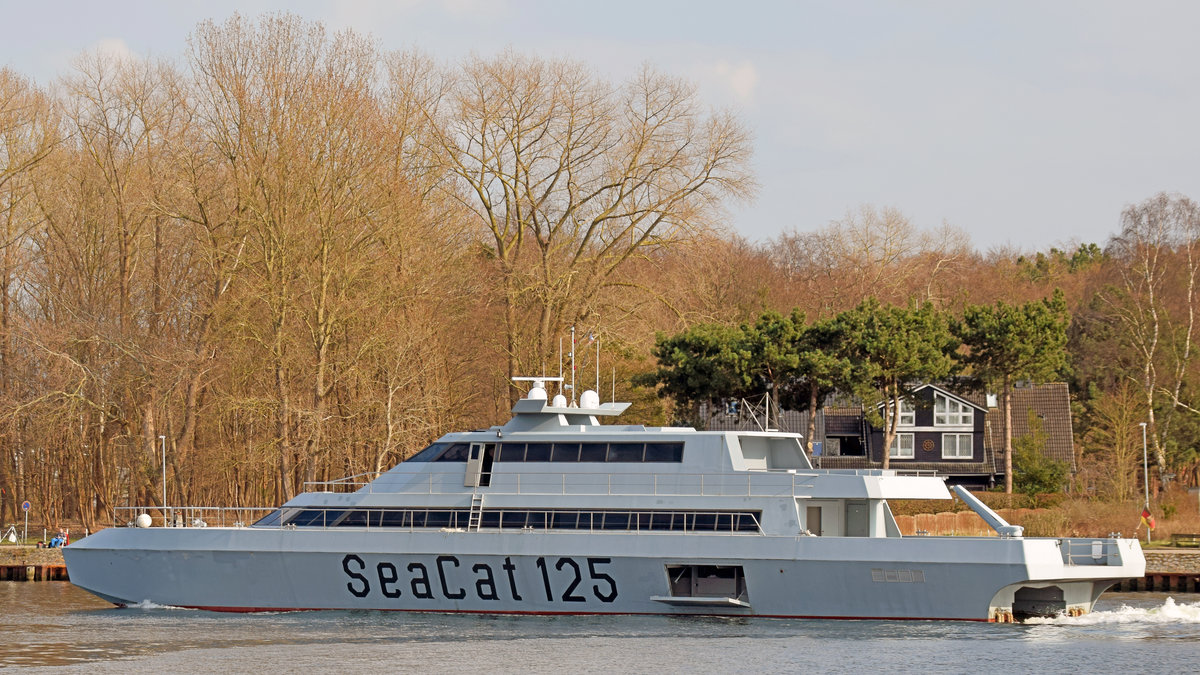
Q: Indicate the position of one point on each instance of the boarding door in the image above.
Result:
(479, 465)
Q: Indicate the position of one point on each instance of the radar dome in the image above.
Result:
(589, 399)
(560, 401)
(143, 520)
(538, 392)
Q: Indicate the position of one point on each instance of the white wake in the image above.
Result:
(1170, 612)
(146, 604)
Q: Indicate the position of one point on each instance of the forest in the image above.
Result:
(290, 256)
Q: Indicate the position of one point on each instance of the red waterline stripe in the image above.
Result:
(251, 610)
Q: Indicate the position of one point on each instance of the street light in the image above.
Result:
(1146, 478)
(163, 440)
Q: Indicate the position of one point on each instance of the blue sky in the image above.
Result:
(1028, 124)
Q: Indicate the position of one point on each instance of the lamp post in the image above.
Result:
(1146, 477)
(163, 439)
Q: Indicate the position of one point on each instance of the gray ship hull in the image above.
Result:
(252, 569)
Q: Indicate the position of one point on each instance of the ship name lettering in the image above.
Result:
(567, 578)
(441, 561)
(366, 587)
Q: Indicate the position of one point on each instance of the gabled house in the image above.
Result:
(960, 436)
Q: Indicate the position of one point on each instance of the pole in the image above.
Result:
(1146, 477)
(163, 439)
(25, 540)
(572, 366)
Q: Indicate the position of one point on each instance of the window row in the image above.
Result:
(558, 452)
(947, 412)
(954, 446)
(675, 521)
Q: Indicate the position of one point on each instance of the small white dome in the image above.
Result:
(589, 399)
(538, 392)
(143, 520)
(560, 401)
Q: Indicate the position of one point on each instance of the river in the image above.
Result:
(54, 625)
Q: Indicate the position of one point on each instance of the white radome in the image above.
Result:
(589, 399)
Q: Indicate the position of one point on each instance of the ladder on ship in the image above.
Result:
(476, 512)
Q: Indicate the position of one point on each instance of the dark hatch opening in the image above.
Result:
(707, 581)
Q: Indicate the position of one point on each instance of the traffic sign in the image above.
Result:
(25, 506)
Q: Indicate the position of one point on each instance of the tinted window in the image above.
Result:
(664, 452)
(512, 452)
(456, 452)
(394, 519)
(565, 520)
(489, 519)
(315, 517)
(429, 453)
(537, 452)
(593, 452)
(616, 521)
(660, 521)
(512, 519)
(565, 452)
(270, 520)
(625, 452)
(438, 519)
(357, 518)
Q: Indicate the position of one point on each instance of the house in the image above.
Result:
(958, 435)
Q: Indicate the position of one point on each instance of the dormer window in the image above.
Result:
(948, 412)
(908, 414)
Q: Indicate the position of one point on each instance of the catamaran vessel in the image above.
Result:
(554, 513)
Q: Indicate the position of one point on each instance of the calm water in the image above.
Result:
(54, 624)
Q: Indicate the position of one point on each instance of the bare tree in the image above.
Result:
(871, 252)
(28, 134)
(1155, 303)
(569, 176)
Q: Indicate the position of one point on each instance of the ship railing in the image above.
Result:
(1084, 551)
(743, 484)
(191, 516)
(751, 484)
(518, 519)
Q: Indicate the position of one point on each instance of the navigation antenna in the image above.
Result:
(763, 408)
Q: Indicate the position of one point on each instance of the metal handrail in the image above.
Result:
(749, 484)
(330, 516)
(1089, 551)
(190, 516)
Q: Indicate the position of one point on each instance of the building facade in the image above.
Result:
(958, 435)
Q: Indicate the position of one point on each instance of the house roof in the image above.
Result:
(1051, 403)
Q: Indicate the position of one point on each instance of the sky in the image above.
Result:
(1025, 124)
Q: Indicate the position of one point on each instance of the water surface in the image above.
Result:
(54, 624)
